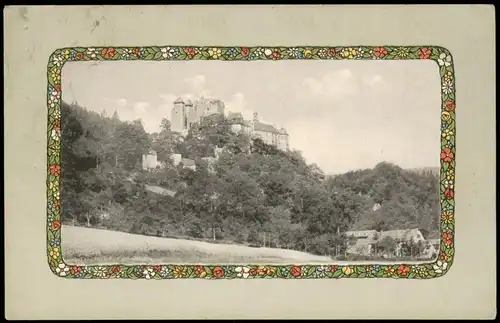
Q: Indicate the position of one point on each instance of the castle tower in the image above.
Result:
(178, 116)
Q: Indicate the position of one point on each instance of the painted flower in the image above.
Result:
(347, 270)
(422, 271)
(55, 169)
(56, 75)
(79, 55)
(447, 238)
(448, 77)
(257, 53)
(447, 87)
(450, 176)
(449, 193)
(390, 270)
(92, 52)
(444, 257)
(265, 270)
(402, 52)
(55, 134)
(190, 51)
(245, 51)
(447, 217)
(379, 52)
(352, 53)
(444, 60)
(307, 53)
(66, 54)
(403, 270)
(100, 272)
(200, 271)
(447, 134)
(179, 271)
(148, 273)
(55, 253)
(369, 270)
(447, 155)
(165, 271)
(333, 268)
(242, 271)
(137, 52)
(57, 60)
(231, 52)
(445, 116)
(275, 54)
(449, 105)
(424, 53)
(296, 271)
(127, 53)
(54, 242)
(268, 51)
(215, 53)
(55, 224)
(322, 53)
(293, 52)
(115, 269)
(62, 270)
(218, 272)
(440, 266)
(167, 52)
(75, 270)
(321, 271)
(448, 184)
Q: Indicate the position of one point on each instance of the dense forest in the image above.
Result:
(255, 195)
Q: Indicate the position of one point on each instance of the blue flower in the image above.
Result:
(231, 52)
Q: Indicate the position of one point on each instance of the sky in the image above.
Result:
(342, 115)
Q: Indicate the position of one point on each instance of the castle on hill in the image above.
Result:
(186, 113)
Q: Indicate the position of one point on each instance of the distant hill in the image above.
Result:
(433, 170)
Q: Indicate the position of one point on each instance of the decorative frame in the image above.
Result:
(428, 270)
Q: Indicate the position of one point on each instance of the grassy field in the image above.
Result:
(85, 246)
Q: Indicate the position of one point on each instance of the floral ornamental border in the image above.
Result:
(438, 268)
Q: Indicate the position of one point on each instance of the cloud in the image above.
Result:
(331, 86)
(372, 80)
(197, 86)
(141, 108)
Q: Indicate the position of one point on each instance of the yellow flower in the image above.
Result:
(307, 53)
(56, 75)
(347, 270)
(179, 271)
(447, 217)
(450, 176)
(214, 52)
(447, 134)
(350, 52)
(55, 253)
(54, 186)
(445, 116)
(403, 52)
(422, 272)
(390, 270)
(66, 53)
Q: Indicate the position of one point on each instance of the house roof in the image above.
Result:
(189, 102)
(179, 100)
(259, 126)
(160, 190)
(394, 234)
(234, 115)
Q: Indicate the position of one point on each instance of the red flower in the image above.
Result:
(425, 53)
(447, 238)
(56, 224)
(449, 105)
(157, 268)
(218, 272)
(253, 271)
(295, 271)
(379, 52)
(55, 169)
(198, 270)
(190, 51)
(331, 52)
(75, 269)
(56, 203)
(449, 193)
(58, 87)
(403, 270)
(334, 267)
(108, 52)
(442, 255)
(275, 54)
(115, 269)
(79, 55)
(137, 52)
(447, 155)
(245, 51)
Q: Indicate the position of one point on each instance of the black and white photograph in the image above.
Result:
(264, 162)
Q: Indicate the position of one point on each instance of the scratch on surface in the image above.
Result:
(97, 23)
(23, 13)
